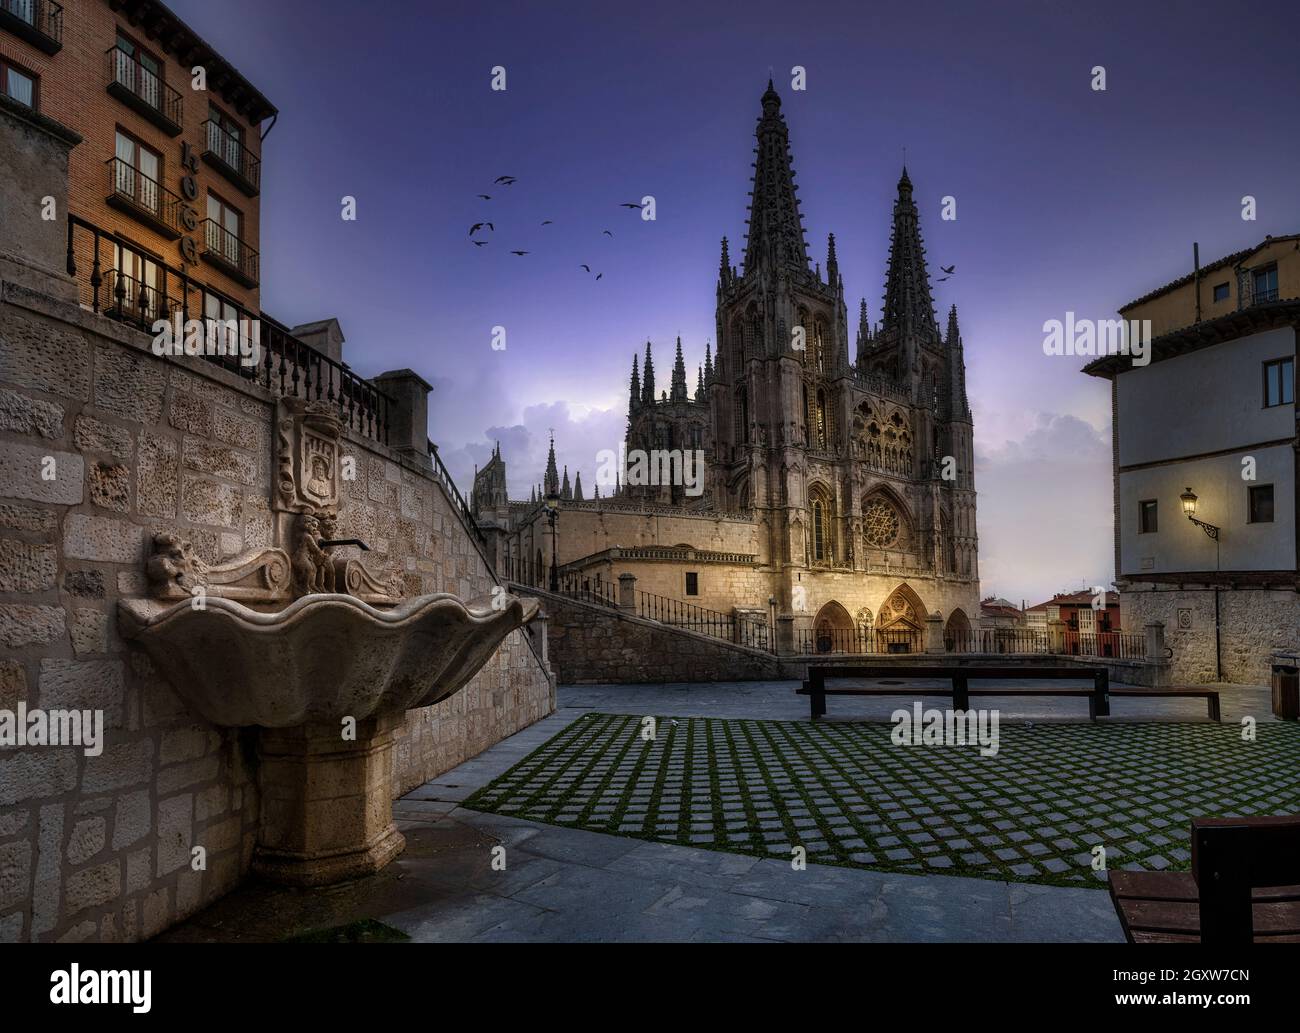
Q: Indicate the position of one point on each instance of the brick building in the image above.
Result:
(168, 167)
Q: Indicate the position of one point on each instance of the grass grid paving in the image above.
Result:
(851, 797)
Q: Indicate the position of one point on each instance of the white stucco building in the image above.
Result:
(1208, 430)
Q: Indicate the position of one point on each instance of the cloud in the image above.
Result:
(1045, 509)
(580, 433)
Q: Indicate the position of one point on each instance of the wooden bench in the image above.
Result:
(1244, 887)
(959, 676)
(1211, 696)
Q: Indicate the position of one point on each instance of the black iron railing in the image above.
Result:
(863, 641)
(127, 74)
(131, 189)
(458, 503)
(224, 149)
(41, 21)
(252, 344)
(229, 252)
(996, 640)
(714, 623)
(1119, 645)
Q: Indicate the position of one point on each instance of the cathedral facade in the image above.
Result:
(838, 491)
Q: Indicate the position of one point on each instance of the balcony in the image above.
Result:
(132, 192)
(39, 22)
(226, 252)
(143, 91)
(232, 159)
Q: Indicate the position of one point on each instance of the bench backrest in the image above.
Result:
(1232, 856)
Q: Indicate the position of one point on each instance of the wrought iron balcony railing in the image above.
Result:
(1251, 295)
(144, 91)
(281, 363)
(230, 254)
(39, 22)
(231, 158)
(132, 192)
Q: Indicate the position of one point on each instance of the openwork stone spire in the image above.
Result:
(956, 367)
(678, 390)
(909, 307)
(775, 225)
(634, 393)
(648, 378)
(551, 486)
(864, 335)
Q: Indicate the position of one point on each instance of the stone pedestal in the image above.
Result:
(409, 415)
(934, 633)
(327, 802)
(627, 593)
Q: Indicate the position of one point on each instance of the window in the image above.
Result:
(1264, 283)
(137, 171)
(819, 530)
(138, 70)
(1261, 503)
(19, 85)
(1279, 382)
(1147, 523)
(225, 138)
(1220, 292)
(692, 583)
(223, 235)
(138, 277)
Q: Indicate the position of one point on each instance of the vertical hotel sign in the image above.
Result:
(190, 193)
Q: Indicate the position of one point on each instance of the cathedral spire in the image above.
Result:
(775, 225)
(648, 378)
(864, 335)
(678, 393)
(957, 402)
(832, 263)
(566, 492)
(909, 306)
(577, 487)
(634, 394)
(708, 362)
(724, 265)
(699, 383)
(551, 486)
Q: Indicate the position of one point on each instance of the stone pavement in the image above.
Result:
(572, 884)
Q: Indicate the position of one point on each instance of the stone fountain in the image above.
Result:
(319, 652)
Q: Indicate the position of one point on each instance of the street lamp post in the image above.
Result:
(553, 514)
(1188, 498)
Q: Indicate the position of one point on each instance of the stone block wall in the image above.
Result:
(1254, 623)
(592, 644)
(101, 445)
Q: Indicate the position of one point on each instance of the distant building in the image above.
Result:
(1088, 629)
(1001, 613)
(838, 486)
(1208, 430)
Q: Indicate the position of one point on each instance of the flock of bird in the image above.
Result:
(507, 181)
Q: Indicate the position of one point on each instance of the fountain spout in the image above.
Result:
(325, 543)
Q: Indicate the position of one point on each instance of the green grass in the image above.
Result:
(1030, 814)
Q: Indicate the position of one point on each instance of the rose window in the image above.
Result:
(880, 524)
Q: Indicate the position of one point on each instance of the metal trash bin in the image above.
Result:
(1286, 687)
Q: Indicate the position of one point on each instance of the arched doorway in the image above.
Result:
(833, 630)
(957, 634)
(900, 626)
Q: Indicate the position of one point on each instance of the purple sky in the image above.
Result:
(1067, 199)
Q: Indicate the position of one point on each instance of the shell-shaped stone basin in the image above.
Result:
(322, 658)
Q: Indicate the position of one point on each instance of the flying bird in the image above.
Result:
(607, 233)
(599, 275)
(949, 269)
(479, 225)
(519, 252)
(486, 197)
(547, 222)
(507, 180)
(586, 266)
(630, 205)
(941, 279)
(478, 243)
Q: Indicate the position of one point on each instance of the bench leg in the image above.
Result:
(1213, 702)
(960, 693)
(817, 693)
(1101, 693)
